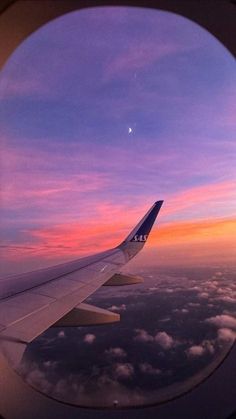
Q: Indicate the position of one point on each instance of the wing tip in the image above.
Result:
(159, 202)
(141, 231)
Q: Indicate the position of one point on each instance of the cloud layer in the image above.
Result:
(157, 344)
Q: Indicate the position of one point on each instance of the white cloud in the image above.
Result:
(124, 370)
(122, 307)
(180, 310)
(89, 338)
(206, 346)
(37, 379)
(61, 334)
(219, 273)
(50, 364)
(223, 320)
(169, 290)
(213, 285)
(165, 340)
(195, 288)
(162, 338)
(195, 350)
(165, 319)
(203, 295)
(216, 283)
(227, 299)
(116, 352)
(227, 335)
(143, 336)
(149, 369)
(220, 291)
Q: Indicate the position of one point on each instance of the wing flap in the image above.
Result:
(121, 279)
(87, 315)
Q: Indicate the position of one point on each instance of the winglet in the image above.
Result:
(141, 232)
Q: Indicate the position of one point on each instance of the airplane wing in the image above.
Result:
(30, 303)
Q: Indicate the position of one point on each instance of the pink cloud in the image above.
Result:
(124, 371)
(196, 350)
(31, 177)
(143, 336)
(149, 369)
(22, 87)
(122, 307)
(116, 352)
(138, 56)
(223, 321)
(34, 175)
(206, 346)
(210, 194)
(44, 188)
(61, 334)
(164, 340)
(228, 98)
(73, 239)
(226, 335)
(89, 338)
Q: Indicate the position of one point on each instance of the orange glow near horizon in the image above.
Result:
(194, 242)
(194, 231)
(176, 242)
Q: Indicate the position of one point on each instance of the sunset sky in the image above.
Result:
(103, 112)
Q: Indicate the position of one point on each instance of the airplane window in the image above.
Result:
(105, 111)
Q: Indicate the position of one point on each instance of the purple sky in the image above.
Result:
(104, 111)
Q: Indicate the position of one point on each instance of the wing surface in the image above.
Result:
(30, 303)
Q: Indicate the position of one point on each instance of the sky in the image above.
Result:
(103, 112)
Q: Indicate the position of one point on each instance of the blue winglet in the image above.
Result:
(141, 232)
